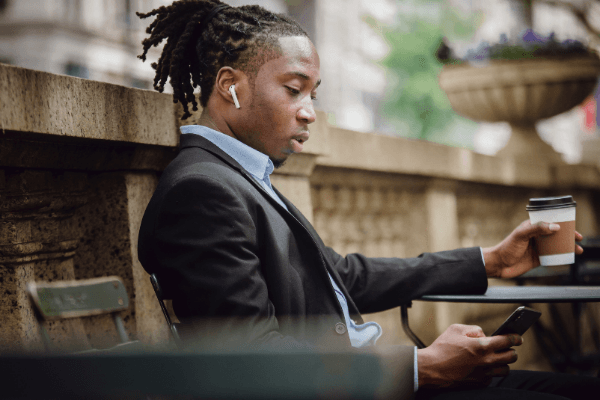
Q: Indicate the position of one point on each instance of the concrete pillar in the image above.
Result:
(57, 226)
(150, 325)
(110, 224)
(38, 241)
(443, 234)
(442, 216)
(297, 187)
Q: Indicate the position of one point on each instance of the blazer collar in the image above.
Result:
(192, 140)
(188, 140)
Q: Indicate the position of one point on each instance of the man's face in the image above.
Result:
(281, 108)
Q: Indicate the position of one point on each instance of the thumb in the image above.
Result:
(538, 229)
(473, 331)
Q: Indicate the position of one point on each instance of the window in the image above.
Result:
(304, 11)
(77, 70)
(3, 5)
(140, 83)
(127, 12)
(72, 9)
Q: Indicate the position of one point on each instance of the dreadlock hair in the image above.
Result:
(194, 54)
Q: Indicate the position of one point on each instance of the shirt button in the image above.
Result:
(340, 328)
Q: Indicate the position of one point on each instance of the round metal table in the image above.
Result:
(524, 294)
(509, 294)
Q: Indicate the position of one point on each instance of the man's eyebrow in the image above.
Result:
(303, 76)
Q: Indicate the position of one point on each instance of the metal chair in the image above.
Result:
(160, 295)
(81, 298)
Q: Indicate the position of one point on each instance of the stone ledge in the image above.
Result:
(40, 102)
(46, 151)
(56, 108)
(372, 152)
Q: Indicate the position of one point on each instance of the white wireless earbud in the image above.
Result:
(234, 95)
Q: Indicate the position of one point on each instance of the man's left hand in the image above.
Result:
(517, 254)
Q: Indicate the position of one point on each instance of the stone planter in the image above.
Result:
(521, 92)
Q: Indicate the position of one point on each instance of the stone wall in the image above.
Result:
(79, 161)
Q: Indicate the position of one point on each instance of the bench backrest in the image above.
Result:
(80, 298)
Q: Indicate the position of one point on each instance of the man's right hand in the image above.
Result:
(463, 356)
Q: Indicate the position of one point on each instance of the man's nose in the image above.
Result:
(307, 113)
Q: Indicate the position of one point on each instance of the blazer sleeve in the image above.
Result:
(378, 284)
(204, 243)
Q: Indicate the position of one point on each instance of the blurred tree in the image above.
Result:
(415, 106)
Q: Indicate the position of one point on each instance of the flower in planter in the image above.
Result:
(530, 45)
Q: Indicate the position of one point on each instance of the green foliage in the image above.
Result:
(415, 104)
(460, 24)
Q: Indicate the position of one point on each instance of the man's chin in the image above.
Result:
(278, 163)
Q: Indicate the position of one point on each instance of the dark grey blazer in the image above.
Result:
(227, 251)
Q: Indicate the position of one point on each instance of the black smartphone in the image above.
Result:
(518, 322)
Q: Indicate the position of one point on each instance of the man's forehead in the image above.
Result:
(297, 47)
(299, 58)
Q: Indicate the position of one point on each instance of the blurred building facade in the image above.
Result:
(93, 39)
(100, 39)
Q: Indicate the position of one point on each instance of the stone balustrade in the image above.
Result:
(384, 196)
(79, 161)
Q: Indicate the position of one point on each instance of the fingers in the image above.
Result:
(473, 331)
(502, 342)
(514, 339)
(578, 238)
(498, 353)
(507, 356)
(489, 343)
(541, 229)
(526, 230)
(530, 230)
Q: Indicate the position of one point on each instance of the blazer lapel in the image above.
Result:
(334, 274)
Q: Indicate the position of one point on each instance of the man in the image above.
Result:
(231, 248)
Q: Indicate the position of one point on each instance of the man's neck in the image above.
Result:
(208, 121)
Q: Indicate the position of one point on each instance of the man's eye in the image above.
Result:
(293, 91)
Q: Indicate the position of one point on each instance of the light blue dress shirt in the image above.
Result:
(260, 167)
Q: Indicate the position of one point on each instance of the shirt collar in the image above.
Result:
(252, 160)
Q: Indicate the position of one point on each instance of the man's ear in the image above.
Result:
(226, 77)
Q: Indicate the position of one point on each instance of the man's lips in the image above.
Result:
(297, 141)
(302, 137)
(297, 145)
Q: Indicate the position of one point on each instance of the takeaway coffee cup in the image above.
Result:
(558, 248)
